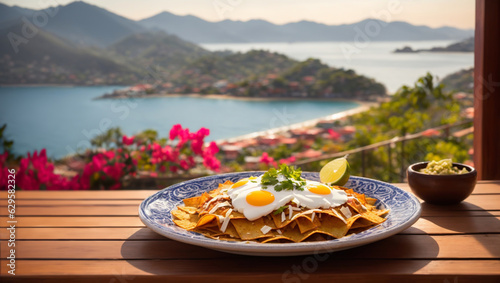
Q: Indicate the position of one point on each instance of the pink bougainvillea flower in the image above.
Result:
(288, 160)
(162, 169)
(36, 172)
(202, 133)
(197, 146)
(211, 162)
(105, 169)
(333, 134)
(174, 169)
(128, 140)
(174, 132)
(184, 165)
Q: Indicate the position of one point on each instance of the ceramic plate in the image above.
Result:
(155, 213)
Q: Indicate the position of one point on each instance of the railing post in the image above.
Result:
(363, 163)
(389, 158)
(403, 169)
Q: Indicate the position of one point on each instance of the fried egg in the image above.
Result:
(318, 195)
(249, 197)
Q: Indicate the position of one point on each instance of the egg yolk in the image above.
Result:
(242, 182)
(319, 189)
(239, 183)
(260, 198)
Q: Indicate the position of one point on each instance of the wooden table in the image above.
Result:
(96, 236)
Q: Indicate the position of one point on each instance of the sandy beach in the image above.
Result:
(226, 96)
(364, 106)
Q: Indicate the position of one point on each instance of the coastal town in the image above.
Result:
(309, 79)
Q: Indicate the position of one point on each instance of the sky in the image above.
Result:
(433, 13)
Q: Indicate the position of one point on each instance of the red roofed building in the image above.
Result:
(140, 87)
(310, 153)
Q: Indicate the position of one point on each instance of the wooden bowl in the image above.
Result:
(441, 189)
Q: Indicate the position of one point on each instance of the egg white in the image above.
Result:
(303, 198)
(311, 200)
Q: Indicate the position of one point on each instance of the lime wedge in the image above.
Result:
(335, 172)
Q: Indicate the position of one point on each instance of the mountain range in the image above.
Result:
(82, 44)
(90, 25)
(200, 31)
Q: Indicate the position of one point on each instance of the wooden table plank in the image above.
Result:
(475, 202)
(107, 233)
(453, 225)
(107, 242)
(68, 202)
(486, 187)
(237, 270)
(72, 221)
(81, 195)
(431, 226)
(395, 247)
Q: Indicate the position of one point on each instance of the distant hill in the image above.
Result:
(466, 45)
(47, 59)
(190, 28)
(156, 48)
(461, 81)
(312, 79)
(90, 25)
(9, 15)
(200, 31)
(79, 22)
(234, 67)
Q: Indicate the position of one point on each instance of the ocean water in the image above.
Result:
(373, 59)
(65, 119)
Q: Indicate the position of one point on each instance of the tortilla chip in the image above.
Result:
(230, 231)
(250, 230)
(237, 215)
(316, 237)
(277, 219)
(204, 198)
(185, 224)
(208, 220)
(194, 201)
(306, 224)
(268, 220)
(367, 219)
(370, 201)
(276, 239)
(293, 234)
(382, 213)
(181, 215)
(188, 209)
(332, 226)
(301, 227)
(352, 220)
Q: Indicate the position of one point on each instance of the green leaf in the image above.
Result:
(280, 210)
(292, 176)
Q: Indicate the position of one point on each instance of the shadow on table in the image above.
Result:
(168, 257)
(468, 219)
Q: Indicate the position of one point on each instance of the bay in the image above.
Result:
(374, 59)
(65, 119)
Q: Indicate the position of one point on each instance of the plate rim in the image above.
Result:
(277, 249)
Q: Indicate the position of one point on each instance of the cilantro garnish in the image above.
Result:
(280, 210)
(290, 176)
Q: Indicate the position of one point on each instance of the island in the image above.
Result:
(466, 45)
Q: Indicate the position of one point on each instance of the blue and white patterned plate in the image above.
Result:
(155, 213)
